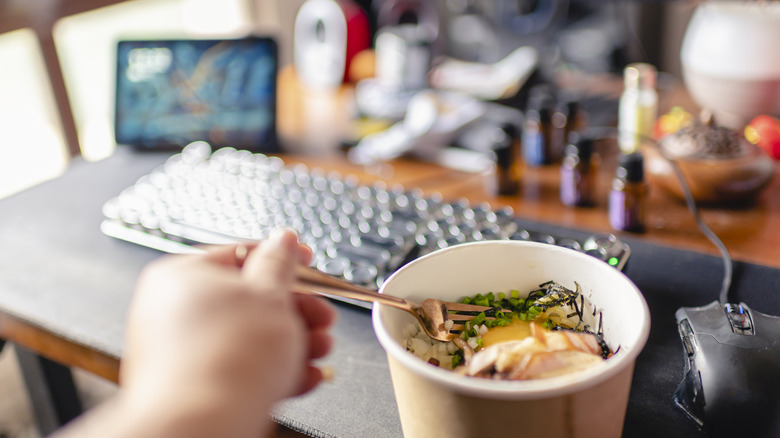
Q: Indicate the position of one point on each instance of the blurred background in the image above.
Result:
(57, 80)
(57, 74)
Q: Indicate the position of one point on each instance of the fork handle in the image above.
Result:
(318, 289)
(313, 281)
(312, 275)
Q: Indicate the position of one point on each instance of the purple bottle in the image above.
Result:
(627, 197)
(578, 172)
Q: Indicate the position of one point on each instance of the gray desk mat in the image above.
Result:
(58, 271)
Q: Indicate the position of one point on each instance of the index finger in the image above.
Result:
(274, 259)
(317, 312)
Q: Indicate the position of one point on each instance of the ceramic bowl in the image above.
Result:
(713, 180)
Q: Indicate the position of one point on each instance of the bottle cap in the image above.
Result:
(513, 130)
(545, 114)
(503, 142)
(571, 108)
(640, 75)
(631, 167)
(541, 97)
(580, 146)
(541, 93)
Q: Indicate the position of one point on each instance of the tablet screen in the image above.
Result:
(170, 93)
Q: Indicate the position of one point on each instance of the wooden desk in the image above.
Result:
(751, 233)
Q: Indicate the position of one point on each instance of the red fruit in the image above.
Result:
(765, 131)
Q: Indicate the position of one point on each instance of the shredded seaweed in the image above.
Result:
(504, 308)
(605, 351)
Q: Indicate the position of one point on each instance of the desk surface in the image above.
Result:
(66, 287)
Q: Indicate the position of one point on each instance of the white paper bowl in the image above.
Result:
(437, 402)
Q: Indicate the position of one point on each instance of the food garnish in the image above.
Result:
(541, 334)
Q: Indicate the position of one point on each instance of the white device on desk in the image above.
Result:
(328, 34)
(488, 81)
(432, 120)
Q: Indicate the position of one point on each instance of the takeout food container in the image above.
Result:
(434, 401)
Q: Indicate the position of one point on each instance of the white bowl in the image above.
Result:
(434, 401)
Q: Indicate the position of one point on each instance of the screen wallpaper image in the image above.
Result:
(170, 93)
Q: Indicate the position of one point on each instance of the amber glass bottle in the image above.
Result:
(627, 198)
(578, 172)
(507, 150)
(538, 144)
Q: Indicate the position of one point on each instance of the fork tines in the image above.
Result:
(466, 312)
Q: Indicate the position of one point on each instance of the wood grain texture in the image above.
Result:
(60, 350)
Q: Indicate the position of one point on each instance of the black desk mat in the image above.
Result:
(58, 271)
(668, 278)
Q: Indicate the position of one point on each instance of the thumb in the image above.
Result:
(274, 260)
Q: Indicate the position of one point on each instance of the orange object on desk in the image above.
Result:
(764, 131)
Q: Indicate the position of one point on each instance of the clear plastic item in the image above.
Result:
(638, 107)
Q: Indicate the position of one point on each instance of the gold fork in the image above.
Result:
(434, 315)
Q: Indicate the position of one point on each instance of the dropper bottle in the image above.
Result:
(627, 197)
(507, 149)
(568, 117)
(638, 106)
(538, 146)
(578, 172)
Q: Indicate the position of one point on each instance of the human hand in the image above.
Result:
(216, 340)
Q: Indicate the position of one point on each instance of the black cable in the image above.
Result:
(727, 261)
(728, 265)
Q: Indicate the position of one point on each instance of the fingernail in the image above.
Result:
(279, 233)
(286, 237)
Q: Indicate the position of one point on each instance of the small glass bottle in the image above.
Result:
(578, 172)
(568, 117)
(538, 133)
(638, 107)
(507, 150)
(627, 198)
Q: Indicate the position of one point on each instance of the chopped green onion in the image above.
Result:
(457, 358)
(478, 319)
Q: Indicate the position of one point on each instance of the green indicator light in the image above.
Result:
(613, 261)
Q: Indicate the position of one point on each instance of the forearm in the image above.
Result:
(225, 386)
(121, 417)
